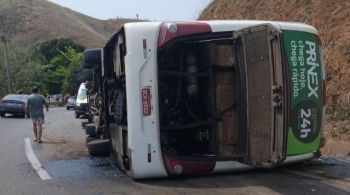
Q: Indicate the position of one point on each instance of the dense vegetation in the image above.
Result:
(37, 55)
(54, 66)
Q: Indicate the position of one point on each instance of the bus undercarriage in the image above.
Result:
(199, 97)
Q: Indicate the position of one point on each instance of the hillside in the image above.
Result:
(34, 21)
(331, 18)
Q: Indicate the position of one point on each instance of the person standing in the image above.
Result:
(35, 105)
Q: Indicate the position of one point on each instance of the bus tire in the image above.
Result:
(90, 139)
(90, 118)
(92, 57)
(90, 129)
(84, 123)
(99, 147)
(88, 75)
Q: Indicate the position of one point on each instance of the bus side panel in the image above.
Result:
(141, 75)
(306, 95)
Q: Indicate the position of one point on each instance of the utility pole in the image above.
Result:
(9, 84)
(6, 57)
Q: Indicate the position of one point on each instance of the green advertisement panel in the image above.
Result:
(304, 60)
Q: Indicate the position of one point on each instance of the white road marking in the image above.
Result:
(43, 174)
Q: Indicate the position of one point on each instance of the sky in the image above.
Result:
(154, 10)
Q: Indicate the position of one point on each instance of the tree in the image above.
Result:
(72, 81)
(60, 69)
(54, 66)
(48, 50)
(62, 73)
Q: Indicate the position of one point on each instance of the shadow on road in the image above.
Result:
(283, 180)
(327, 168)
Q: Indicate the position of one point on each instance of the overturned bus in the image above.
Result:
(187, 98)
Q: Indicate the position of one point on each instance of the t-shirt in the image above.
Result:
(36, 103)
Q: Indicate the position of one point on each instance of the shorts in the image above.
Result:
(38, 120)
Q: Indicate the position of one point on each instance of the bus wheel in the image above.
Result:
(99, 147)
(88, 75)
(90, 129)
(90, 139)
(84, 123)
(90, 118)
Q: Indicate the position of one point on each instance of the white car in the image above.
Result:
(71, 102)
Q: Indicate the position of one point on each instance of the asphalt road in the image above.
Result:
(64, 156)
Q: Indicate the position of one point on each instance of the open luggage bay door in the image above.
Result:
(264, 99)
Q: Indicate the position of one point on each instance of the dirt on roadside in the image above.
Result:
(337, 133)
(63, 137)
(63, 148)
(336, 148)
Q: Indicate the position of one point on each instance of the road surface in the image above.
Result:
(72, 171)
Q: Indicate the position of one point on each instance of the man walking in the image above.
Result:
(35, 104)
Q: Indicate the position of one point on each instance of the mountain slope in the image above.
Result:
(331, 18)
(36, 21)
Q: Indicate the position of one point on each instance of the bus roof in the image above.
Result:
(232, 25)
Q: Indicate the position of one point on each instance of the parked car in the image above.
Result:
(71, 102)
(13, 104)
(56, 98)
